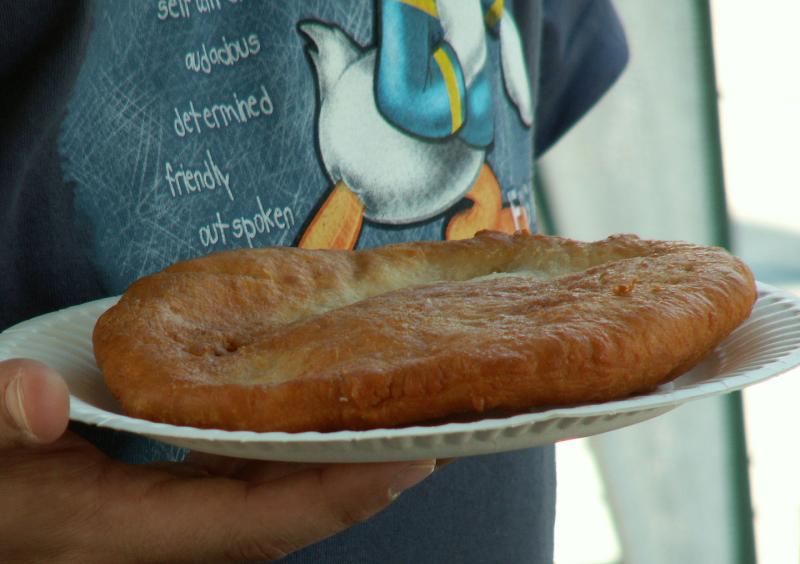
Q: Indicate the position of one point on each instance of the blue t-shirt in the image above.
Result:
(148, 132)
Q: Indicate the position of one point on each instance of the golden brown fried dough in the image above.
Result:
(284, 339)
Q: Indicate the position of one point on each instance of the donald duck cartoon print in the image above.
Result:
(404, 126)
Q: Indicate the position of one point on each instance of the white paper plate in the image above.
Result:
(766, 345)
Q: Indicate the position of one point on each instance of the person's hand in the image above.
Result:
(63, 500)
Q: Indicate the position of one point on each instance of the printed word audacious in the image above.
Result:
(228, 53)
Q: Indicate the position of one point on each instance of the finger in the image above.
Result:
(179, 469)
(442, 462)
(215, 465)
(34, 403)
(257, 472)
(253, 471)
(223, 519)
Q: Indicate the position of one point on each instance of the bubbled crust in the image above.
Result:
(284, 339)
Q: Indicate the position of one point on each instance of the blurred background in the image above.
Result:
(697, 141)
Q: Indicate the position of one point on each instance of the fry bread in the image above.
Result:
(284, 339)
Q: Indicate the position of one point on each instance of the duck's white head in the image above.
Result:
(399, 178)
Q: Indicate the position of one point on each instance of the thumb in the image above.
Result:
(34, 403)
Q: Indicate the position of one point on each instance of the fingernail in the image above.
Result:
(410, 476)
(14, 406)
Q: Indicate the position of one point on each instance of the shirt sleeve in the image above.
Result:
(584, 51)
